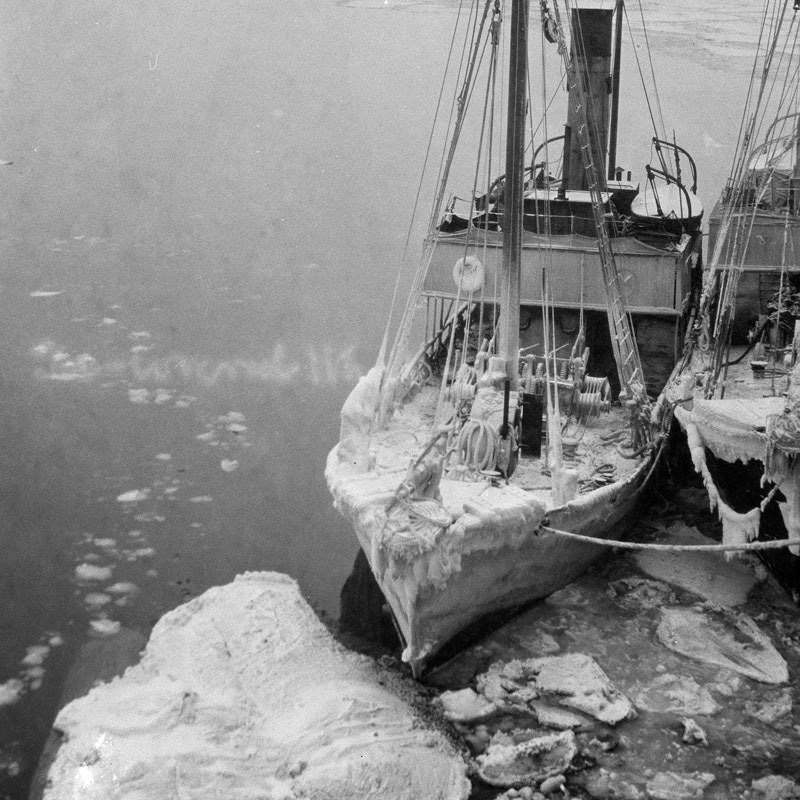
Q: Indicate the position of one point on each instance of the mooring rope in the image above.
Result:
(674, 548)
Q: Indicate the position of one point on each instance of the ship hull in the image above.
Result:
(503, 549)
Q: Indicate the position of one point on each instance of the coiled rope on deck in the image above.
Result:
(674, 548)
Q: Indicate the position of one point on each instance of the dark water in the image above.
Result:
(198, 241)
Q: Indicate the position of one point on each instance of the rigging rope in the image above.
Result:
(641, 77)
(652, 73)
(382, 352)
(404, 327)
(674, 548)
(736, 227)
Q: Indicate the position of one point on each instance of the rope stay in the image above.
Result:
(777, 86)
(466, 78)
(674, 548)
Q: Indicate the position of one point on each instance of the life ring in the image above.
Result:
(468, 273)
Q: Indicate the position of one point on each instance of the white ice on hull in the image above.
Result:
(497, 552)
(735, 429)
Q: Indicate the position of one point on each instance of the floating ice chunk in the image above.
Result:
(104, 627)
(35, 655)
(149, 516)
(108, 321)
(12, 767)
(133, 496)
(43, 349)
(466, 705)
(10, 691)
(122, 587)
(60, 357)
(97, 599)
(195, 525)
(229, 465)
(134, 335)
(163, 457)
(170, 490)
(151, 573)
(232, 416)
(206, 437)
(55, 640)
(162, 396)
(144, 552)
(201, 498)
(106, 543)
(184, 401)
(235, 427)
(91, 572)
(35, 673)
(45, 293)
(139, 396)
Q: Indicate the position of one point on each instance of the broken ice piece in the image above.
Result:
(104, 627)
(133, 496)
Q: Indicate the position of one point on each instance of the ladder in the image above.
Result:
(623, 342)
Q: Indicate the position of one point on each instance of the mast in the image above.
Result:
(514, 189)
(615, 75)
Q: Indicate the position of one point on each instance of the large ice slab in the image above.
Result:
(243, 693)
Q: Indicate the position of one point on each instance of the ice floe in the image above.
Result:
(35, 676)
(122, 587)
(573, 680)
(229, 465)
(35, 655)
(133, 496)
(139, 397)
(723, 638)
(46, 293)
(97, 599)
(250, 725)
(105, 543)
(93, 572)
(104, 627)
(11, 691)
(43, 348)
